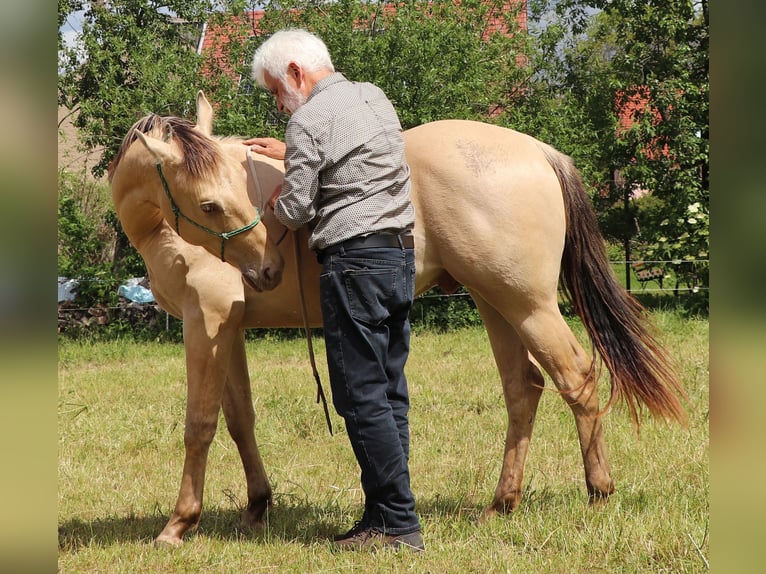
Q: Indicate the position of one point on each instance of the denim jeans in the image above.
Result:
(366, 296)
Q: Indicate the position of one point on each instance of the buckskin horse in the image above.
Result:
(498, 212)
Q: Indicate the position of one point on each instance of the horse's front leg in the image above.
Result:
(240, 420)
(207, 363)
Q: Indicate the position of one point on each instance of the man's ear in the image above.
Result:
(296, 72)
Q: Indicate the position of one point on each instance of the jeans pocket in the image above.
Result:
(370, 292)
(409, 273)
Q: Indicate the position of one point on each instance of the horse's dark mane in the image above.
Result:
(200, 153)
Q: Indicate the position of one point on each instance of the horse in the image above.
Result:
(497, 211)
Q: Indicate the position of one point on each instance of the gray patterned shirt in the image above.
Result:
(345, 169)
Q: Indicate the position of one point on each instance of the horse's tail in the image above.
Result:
(641, 372)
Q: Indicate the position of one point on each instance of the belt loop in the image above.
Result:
(401, 242)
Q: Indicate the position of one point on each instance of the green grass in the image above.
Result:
(121, 409)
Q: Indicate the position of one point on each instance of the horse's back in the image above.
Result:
(489, 205)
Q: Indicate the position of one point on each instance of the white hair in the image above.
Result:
(290, 45)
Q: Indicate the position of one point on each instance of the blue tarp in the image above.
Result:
(131, 290)
(135, 292)
(67, 288)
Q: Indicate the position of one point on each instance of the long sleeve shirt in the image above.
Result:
(345, 169)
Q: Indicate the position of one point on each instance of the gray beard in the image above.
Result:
(293, 100)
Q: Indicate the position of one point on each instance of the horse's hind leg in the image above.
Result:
(240, 420)
(551, 341)
(522, 387)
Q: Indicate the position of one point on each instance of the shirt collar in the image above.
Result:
(326, 82)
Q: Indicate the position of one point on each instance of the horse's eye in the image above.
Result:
(209, 207)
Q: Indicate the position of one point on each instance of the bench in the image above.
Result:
(646, 273)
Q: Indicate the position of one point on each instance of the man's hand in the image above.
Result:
(273, 199)
(270, 147)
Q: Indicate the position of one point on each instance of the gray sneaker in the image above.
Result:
(369, 538)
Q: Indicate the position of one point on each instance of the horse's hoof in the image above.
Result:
(487, 515)
(254, 515)
(599, 496)
(164, 541)
(598, 499)
(248, 522)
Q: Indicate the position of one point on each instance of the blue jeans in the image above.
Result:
(366, 296)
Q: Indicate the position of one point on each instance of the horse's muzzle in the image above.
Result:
(264, 279)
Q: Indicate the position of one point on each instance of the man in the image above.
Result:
(345, 172)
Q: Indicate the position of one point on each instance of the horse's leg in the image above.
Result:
(207, 362)
(240, 420)
(552, 343)
(522, 386)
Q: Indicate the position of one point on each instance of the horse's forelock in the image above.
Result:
(200, 153)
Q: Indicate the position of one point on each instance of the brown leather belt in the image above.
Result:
(375, 240)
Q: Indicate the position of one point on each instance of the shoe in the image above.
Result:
(362, 537)
(358, 526)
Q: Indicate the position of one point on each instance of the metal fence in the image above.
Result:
(647, 277)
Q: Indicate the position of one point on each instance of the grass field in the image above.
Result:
(120, 415)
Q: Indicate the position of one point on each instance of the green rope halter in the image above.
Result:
(223, 236)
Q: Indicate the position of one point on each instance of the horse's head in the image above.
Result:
(202, 192)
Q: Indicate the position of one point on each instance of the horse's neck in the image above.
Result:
(139, 214)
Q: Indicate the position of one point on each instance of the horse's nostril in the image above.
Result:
(271, 276)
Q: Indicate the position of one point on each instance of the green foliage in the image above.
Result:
(434, 60)
(139, 60)
(434, 311)
(560, 82)
(77, 242)
(93, 249)
(83, 240)
(636, 73)
(661, 61)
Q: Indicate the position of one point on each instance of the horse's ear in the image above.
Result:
(204, 114)
(161, 151)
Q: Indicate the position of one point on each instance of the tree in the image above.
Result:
(562, 83)
(135, 57)
(637, 70)
(434, 60)
(663, 57)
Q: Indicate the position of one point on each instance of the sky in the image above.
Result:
(72, 28)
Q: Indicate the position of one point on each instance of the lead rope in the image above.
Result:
(304, 313)
(251, 163)
(259, 192)
(307, 329)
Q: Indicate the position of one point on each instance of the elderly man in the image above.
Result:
(346, 174)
